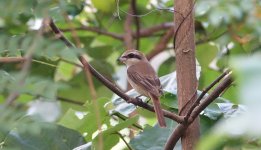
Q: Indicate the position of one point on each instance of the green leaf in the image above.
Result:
(74, 10)
(167, 66)
(33, 85)
(40, 64)
(153, 137)
(213, 142)
(104, 5)
(49, 136)
(105, 68)
(206, 124)
(100, 52)
(222, 107)
(71, 116)
(86, 40)
(49, 49)
(38, 86)
(109, 136)
(87, 113)
(204, 50)
(8, 120)
(77, 89)
(169, 100)
(231, 110)
(5, 79)
(64, 71)
(13, 44)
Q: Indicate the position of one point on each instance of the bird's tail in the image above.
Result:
(158, 111)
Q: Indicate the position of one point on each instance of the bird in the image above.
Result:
(143, 78)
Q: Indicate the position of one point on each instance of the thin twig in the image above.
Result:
(72, 63)
(69, 101)
(204, 92)
(188, 102)
(126, 143)
(137, 22)
(112, 87)
(119, 115)
(227, 81)
(22, 59)
(59, 34)
(151, 11)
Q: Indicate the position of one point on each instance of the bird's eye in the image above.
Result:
(131, 55)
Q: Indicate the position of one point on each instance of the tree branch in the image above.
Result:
(59, 34)
(151, 30)
(204, 92)
(137, 22)
(181, 128)
(175, 136)
(98, 31)
(128, 32)
(111, 86)
(162, 44)
(146, 32)
(11, 59)
(211, 97)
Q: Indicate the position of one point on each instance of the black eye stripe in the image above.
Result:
(132, 55)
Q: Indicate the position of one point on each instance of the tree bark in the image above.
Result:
(184, 45)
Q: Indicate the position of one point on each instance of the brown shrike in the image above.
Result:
(144, 79)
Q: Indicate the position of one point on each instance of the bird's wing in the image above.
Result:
(146, 79)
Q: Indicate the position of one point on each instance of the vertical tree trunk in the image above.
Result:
(184, 43)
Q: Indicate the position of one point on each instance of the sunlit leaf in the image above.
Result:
(65, 71)
(85, 120)
(112, 132)
(104, 5)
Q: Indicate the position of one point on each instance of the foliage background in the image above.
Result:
(54, 109)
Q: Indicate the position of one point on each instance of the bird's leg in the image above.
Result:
(139, 96)
(148, 100)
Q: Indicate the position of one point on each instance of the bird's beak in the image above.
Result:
(121, 59)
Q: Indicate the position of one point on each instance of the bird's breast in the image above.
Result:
(138, 88)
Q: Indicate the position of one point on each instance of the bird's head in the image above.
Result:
(132, 57)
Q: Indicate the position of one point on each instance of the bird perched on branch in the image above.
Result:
(144, 79)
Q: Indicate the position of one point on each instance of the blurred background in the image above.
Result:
(46, 102)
